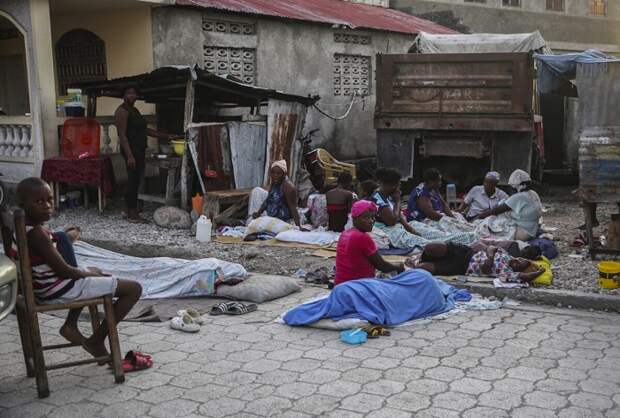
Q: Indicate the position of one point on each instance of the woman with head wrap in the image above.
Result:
(281, 201)
(524, 206)
(357, 256)
(484, 197)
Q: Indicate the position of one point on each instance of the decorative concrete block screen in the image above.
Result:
(238, 62)
(352, 38)
(228, 26)
(351, 74)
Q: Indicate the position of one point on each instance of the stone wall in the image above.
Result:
(295, 57)
(15, 169)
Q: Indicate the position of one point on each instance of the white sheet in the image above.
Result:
(322, 238)
(161, 277)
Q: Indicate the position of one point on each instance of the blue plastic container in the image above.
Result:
(354, 336)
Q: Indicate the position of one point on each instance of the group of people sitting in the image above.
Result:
(357, 255)
(381, 208)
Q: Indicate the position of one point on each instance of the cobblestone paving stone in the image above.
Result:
(522, 361)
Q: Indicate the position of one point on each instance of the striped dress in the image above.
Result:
(46, 284)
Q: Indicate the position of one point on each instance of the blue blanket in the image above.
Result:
(410, 295)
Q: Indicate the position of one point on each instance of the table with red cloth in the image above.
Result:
(94, 171)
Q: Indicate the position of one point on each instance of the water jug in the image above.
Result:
(203, 229)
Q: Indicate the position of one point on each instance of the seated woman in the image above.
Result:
(524, 206)
(281, 201)
(339, 202)
(426, 201)
(453, 259)
(484, 197)
(356, 255)
(389, 216)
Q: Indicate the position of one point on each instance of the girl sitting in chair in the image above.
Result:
(55, 280)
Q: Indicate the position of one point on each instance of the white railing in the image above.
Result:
(109, 137)
(16, 138)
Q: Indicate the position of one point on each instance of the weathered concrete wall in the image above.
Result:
(572, 29)
(291, 56)
(19, 12)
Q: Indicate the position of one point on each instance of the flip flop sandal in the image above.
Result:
(184, 323)
(196, 316)
(221, 308)
(134, 362)
(133, 353)
(241, 309)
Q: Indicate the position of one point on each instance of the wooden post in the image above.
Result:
(184, 181)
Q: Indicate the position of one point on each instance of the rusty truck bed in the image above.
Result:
(481, 92)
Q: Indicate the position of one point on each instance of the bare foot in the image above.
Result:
(95, 349)
(72, 334)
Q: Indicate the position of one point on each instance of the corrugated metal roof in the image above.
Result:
(352, 15)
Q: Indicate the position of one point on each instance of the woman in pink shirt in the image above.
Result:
(356, 255)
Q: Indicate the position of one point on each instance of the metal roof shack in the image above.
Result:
(169, 83)
(334, 12)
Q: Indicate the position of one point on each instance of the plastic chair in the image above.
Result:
(333, 167)
(79, 136)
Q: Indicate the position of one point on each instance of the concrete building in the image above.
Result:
(567, 25)
(323, 47)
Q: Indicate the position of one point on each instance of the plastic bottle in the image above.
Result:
(203, 229)
(451, 192)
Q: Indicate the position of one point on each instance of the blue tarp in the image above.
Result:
(410, 295)
(555, 71)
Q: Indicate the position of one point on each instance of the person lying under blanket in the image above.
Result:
(357, 256)
(454, 259)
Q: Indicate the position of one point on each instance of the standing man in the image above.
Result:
(482, 198)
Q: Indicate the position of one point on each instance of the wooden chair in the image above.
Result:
(14, 230)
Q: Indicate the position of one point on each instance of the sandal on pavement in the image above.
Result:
(196, 316)
(221, 308)
(135, 361)
(232, 308)
(240, 309)
(184, 323)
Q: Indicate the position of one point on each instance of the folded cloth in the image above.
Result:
(410, 295)
(547, 247)
(508, 285)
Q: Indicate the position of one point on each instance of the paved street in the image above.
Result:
(523, 361)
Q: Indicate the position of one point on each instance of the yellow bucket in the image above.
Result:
(178, 146)
(609, 274)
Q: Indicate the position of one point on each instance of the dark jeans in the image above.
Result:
(134, 178)
(65, 248)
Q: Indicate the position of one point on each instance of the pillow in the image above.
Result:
(259, 288)
(269, 224)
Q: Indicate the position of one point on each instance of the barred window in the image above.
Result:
(555, 5)
(80, 57)
(511, 3)
(598, 7)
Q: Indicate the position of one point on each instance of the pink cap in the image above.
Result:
(362, 206)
